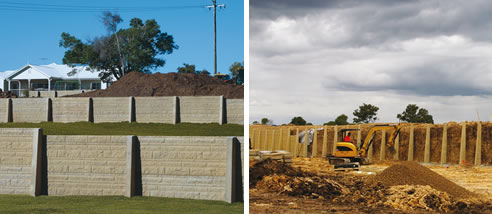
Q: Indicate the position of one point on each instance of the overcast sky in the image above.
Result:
(322, 58)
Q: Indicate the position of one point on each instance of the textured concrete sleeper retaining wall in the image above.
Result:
(183, 167)
(123, 109)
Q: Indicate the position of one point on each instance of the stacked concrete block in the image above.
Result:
(86, 165)
(16, 161)
(66, 110)
(200, 109)
(4, 110)
(32, 110)
(155, 109)
(112, 109)
(235, 111)
(184, 167)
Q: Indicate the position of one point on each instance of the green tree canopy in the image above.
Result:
(191, 69)
(235, 68)
(266, 121)
(298, 121)
(135, 49)
(366, 113)
(340, 120)
(413, 114)
(255, 122)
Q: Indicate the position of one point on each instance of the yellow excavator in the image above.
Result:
(347, 155)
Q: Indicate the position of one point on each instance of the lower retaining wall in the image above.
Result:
(86, 165)
(16, 161)
(207, 168)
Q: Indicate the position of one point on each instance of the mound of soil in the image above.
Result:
(272, 167)
(170, 84)
(412, 173)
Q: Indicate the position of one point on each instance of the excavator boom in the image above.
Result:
(395, 131)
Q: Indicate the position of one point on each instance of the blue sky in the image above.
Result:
(33, 36)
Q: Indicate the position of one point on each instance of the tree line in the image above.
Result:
(367, 113)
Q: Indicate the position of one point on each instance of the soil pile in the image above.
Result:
(412, 173)
(170, 84)
(271, 167)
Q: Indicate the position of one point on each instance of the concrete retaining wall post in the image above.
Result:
(478, 146)
(359, 140)
(296, 143)
(427, 145)
(10, 115)
(288, 141)
(335, 139)
(280, 139)
(397, 148)
(411, 144)
(131, 110)
(463, 144)
(305, 144)
(444, 147)
(222, 114)
(324, 150)
(37, 158)
(131, 161)
(233, 171)
(382, 154)
(315, 143)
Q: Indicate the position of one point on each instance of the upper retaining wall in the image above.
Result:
(86, 165)
(33, 110)
(200, 109)
(4, 110)
(67, 110)
(16, 152)
(155, 109)
(235, 111)
(171, 110)
(111, 109)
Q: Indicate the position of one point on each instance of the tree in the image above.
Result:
(298, 121)
(135, 49)
(266, 121)
(366, 113)
(235, 68)
(191, 69)
(255, 122)
(413, 114)
(340, 120)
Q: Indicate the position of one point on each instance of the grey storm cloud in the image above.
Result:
(320, 57)
(374, 22)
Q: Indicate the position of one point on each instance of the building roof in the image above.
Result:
(54, 71)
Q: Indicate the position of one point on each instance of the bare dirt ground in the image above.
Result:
(311, 186)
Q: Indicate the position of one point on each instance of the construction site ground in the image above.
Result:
(268, 197)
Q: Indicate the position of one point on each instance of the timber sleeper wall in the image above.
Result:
(206, 168)
(207, 109)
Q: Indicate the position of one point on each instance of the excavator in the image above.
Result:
(347, 155)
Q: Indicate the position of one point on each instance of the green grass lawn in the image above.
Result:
(125, 128)
(111, 204)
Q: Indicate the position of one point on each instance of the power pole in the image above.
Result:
(214, 6)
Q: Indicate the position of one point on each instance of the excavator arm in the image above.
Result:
(395, 131)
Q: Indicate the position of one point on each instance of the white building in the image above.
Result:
(48, 78)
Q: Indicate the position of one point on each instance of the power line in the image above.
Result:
(14, 6)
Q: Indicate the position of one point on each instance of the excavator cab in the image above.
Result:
(347, 155)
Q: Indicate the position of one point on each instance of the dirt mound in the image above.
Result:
(314, 187)
(272, 167)
(170, 84)
(412, 173)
